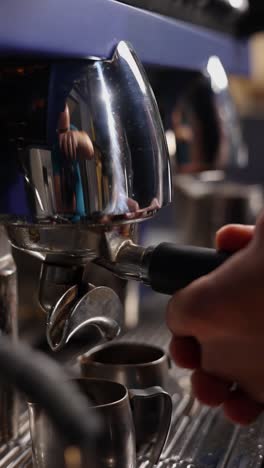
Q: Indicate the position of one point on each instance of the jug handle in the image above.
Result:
(137, 395)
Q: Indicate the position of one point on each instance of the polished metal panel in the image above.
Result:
(80, 315)
(9, 401)
(72, 321)
(116, 446)
(83, 147)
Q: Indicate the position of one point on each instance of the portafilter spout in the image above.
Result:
(79, 315)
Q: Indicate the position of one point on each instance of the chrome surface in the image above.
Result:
(9, 401)
(56, 280)
(134, 365)
(84, 148)
(79, 315)
(137, 366)
(72, 321)
(76, 243)
(116, 447)
(71, 244)
(129, 261)
(205, 132)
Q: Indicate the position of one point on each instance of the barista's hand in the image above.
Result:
(76, 145)
(218, 326)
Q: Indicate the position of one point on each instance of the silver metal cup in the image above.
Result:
(116, 447)
(136, 366)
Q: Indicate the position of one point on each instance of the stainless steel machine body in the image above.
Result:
(9, 402)
(85, 156)
(78, 164)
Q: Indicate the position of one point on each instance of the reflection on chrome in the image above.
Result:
(119, 202)
(83, 142)
(216, 71)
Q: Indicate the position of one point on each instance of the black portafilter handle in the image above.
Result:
(172, 267)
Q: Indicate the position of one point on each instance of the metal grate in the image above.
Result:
(17, 453)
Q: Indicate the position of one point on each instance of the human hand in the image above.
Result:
(218, 326)
(136, 212)
(68, 144)
(76, 145)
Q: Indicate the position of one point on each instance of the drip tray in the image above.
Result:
(199, 437)
(17, 453)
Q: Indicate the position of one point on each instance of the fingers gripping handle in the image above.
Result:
(172, 267)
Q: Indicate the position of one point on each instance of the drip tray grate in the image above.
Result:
(199, 437)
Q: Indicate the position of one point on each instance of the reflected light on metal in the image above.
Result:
(240, 5)
(217, 74)
(171, 142)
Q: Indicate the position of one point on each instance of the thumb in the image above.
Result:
(234, 237)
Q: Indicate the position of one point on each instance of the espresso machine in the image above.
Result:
(81, 171)
(85, 161)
